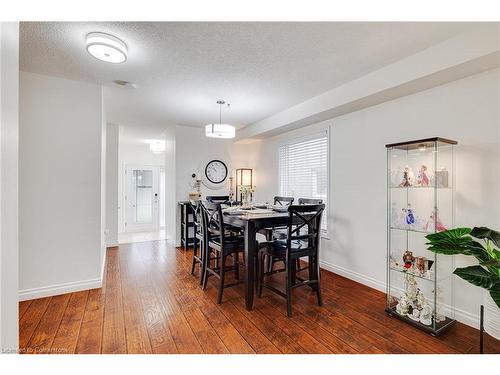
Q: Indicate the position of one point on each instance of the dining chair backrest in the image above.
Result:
(305, 216)
(310, 201)
(213, 220)
(283, 201)
(218, 198)
(197, 218)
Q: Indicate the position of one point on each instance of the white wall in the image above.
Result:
(466, 110)
(103, 184)
(170, 184)
(193, 150)
(112, 139)
(9, 127)
(60, 155)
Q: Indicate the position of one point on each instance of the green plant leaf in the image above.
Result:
(451, 233)
(484, 232)
(495, 295)
(476, 275)
(451, 245)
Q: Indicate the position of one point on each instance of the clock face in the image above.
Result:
(216, 171)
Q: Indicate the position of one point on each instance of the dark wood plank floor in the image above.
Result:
(151, 304)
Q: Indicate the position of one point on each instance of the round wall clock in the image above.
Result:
(216, 171)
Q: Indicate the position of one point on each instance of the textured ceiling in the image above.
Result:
(181, 69)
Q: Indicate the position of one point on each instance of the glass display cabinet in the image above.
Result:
(420, 201)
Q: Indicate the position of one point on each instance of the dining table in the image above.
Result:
(251, 221)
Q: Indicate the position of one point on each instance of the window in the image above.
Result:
(303, 170)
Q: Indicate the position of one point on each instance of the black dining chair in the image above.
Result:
(307, 201)
(310, 201)
(297, 245)
(199, 242)
(224, 199)
(221, 243)
(283, 201)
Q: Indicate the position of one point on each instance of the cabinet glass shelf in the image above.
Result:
(411, 230)
(420, 190)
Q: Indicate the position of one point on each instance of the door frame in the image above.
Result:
(128, 226)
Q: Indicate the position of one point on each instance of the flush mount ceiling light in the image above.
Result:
(220, 130)
(106, 47)
(157, 147)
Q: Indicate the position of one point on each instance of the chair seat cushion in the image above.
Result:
(231, 243)
(277, 248)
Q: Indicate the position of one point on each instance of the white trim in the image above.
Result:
(112, 244)
(103, 265)
(352, 275)
(462, 316)
(56, 289)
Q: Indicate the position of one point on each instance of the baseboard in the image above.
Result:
(103, 266)
(462, 316)
(112, 244)
(355, 276)
(56, 289)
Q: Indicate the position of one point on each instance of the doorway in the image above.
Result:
(141, 198)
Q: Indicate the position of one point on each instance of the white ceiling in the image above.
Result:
(181, 69)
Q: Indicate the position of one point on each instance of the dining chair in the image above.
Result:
(221, 243)
(199, 242)
(310, 201)
(297, 245)
(283, 201)
(217, 198)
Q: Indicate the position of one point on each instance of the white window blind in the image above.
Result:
(303, 170)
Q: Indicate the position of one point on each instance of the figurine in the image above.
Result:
(408, 177)
(434, 222)
(408, 259)
(411, 287)
(410, 217)
(421, 302)
(421, 263)
(415, 315)
(426, 315)
(423, 178)
(402, 306)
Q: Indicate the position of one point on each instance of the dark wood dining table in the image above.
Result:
(251, 221)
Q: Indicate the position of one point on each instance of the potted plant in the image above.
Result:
(480, 242)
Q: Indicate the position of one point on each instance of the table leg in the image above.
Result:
(250, 256)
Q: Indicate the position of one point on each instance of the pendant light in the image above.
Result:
(220, 130)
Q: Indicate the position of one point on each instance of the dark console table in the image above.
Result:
(187, 235)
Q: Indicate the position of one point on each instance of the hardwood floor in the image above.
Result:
(151, 304)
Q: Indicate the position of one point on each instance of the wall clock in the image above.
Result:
(215, 173)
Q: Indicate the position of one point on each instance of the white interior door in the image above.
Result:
(142, 198)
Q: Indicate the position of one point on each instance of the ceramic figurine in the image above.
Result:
(434, 222)
(426, 315)
(423, 177)
(408, 259)
(408, 177)
(421, 263)
(411, 287)
(421, 302)
(410, 217)
(402, 306)
(415, 315)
